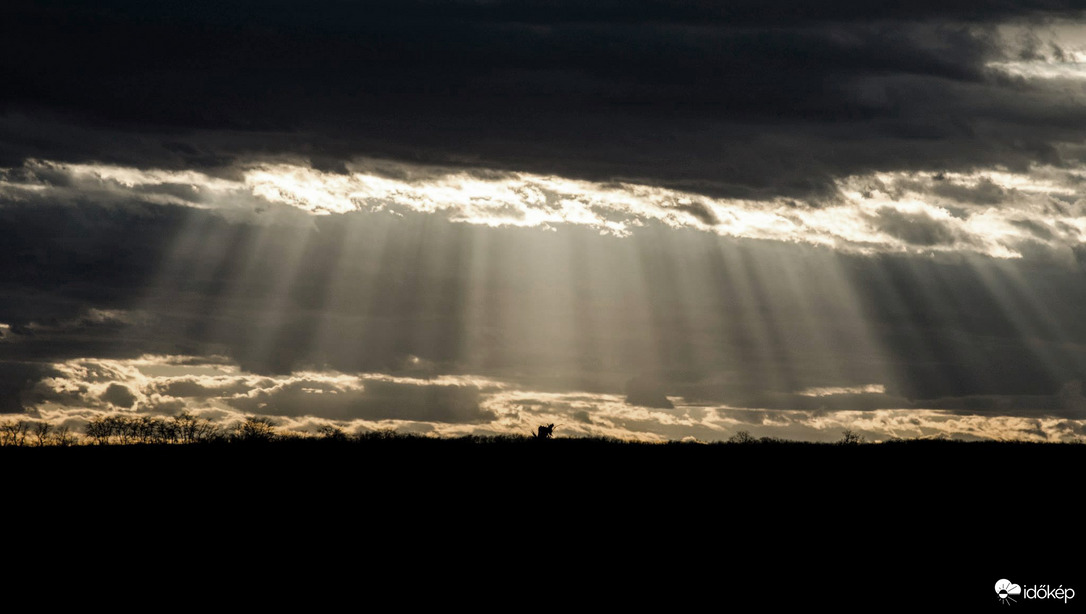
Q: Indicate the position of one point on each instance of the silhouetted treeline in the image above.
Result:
(36, 433)
(185, 428)
(182, 428)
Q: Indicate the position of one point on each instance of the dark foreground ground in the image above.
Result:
(682, 526)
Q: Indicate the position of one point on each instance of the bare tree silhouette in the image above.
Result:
(41, 432)
(255, 428)
(743, 437)
(14, 433)
(850, 437)
(62, 436)
(190, 429)
(100, 429)
(332, 432)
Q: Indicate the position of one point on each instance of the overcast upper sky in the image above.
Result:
(643, 219)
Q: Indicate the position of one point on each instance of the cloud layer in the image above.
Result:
(999, 213)
(646, 219)
(781, 100)
(82, 389)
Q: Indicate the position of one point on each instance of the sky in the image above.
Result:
(641, 219)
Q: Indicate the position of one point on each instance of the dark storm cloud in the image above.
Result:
(791, 104)
(838, 402)
(1068, 402)
(986, 192)
(377, 400)
(973, 327)
(70, 278)
(51, 246)
(196, 388)
(119, 396)
(749, 98)
(16, 380)
(915, 228)
(700, 211)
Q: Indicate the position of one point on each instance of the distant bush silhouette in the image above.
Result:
(850, 437)
(774, 440)
(545, 431)
(332, 432)
(379, 434)
(742, 437)
(255, 429)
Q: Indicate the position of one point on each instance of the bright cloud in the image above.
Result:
(997, 213)
(1055, 51)
(1074, 69)
(454, 405)
(822, 392)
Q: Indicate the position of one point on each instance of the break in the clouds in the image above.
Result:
(996, 213)
(639, 219)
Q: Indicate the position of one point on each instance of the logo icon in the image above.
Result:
(1004, 589)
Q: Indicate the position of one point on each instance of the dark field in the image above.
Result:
(939, 516)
